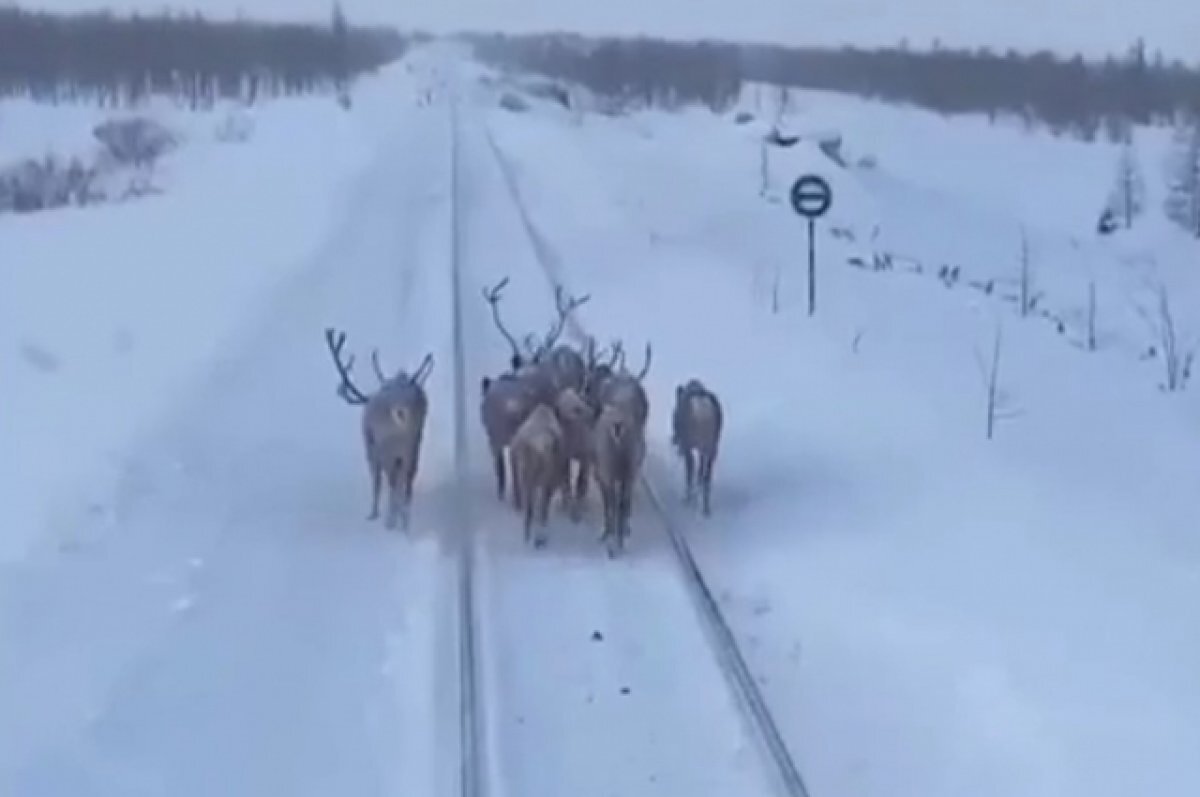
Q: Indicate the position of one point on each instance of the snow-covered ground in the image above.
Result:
(189, 604)
(192, 603)
(108, 313)
(924, 607)
(1092, 27)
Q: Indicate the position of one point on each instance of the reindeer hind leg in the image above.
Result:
(706, 483)
(376, 480)
(518, 480)
(394, 488)
(689, 470)
(498, 467)
(582, 481)
(544, 498)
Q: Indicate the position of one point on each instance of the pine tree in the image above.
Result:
(1129, 191)
(1183, 182)
(341, 44)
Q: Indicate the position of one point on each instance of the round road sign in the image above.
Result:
(811, 196)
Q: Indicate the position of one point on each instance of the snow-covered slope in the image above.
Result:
(1092, 27)
(924, 607)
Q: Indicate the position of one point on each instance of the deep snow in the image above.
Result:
(923, 607)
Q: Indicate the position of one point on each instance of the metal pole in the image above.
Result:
(812, 266)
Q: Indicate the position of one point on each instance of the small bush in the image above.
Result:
(136, 141)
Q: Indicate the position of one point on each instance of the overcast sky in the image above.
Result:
(1090, 26)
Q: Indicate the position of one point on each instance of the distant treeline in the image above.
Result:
(631, 71)
(53, 57)
(1067, 94)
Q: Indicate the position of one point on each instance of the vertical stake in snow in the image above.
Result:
(811, 198)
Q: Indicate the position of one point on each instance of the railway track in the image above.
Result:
(724, 644)
(579, 675)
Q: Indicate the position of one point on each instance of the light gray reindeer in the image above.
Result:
(539, 463)
(696, 435)
(577, 417)
(618, 451)
(393, 423)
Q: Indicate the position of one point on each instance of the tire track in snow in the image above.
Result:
(724, 644)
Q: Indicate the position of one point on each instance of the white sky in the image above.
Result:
(1094, 27)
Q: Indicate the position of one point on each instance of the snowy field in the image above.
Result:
(191, 601)
(923, 607)
(1094, 28)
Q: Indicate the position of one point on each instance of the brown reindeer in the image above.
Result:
(618, 450)
(507, 402)
(696, 434)
(539, 462)
(393, 423)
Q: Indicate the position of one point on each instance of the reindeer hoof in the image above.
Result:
(539, 542)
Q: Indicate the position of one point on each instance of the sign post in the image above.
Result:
(811, 198)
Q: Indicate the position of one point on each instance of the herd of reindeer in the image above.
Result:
(555, 408)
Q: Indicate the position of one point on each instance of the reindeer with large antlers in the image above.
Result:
(508, 400)
(393, 423)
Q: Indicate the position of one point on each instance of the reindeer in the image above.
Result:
(507, 400)
(624, 388)
(577, 417)
(566, 365)
(618, 450)
(517, 360)
(539, 463)
(393, 424)
(596, 372)
(696, 430)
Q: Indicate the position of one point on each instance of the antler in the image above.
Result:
(492, 297)
(532, 348)
(378, 368)
(565, 306)
(618, 355)
(646, 365)
(424, 369)
(347, 389)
